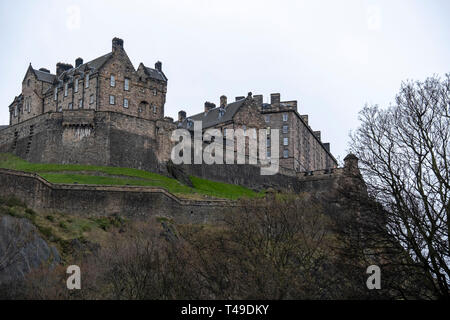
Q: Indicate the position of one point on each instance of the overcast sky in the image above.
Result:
(331, 56)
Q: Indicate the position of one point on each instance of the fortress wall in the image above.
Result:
(93, 200)
(85, 137)
(250, 176)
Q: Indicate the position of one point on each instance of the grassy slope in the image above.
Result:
(84, 174)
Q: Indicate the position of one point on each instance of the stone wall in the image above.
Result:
(94, 200)
(90, 137)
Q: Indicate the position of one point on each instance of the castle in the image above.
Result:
(106, 112)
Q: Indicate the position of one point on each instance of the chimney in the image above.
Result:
(305, 118)
(275, 98)
(181, 115)
(223, 101)
(351, 163)
(317, 134)
(158, 66)
(326, 145)
(61, 67)
(78, 62)
(44, 70)
(259, 99)
(117, 44)
(209, 106)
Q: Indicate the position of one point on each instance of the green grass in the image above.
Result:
(85, 174)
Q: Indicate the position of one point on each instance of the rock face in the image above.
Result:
(22, 249)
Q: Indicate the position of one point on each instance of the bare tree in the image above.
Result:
(404, 157)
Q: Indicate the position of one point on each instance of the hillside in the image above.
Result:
(98, 175)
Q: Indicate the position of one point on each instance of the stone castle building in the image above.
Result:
(108, 83)
(106, 112)
(301, 148)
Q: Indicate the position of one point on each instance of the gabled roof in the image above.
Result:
(213, 117)
(44, 76)
(155, 74)
(92, 66)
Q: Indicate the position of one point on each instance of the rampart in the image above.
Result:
(95, 200)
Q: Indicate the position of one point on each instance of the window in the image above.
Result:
(87, 81)
(60, 108)
(91, 99)
(70, 106)
(154, 109)
(80, 103)
(285, 141)
(125, 103)
(155, 92)
(268, 153)
(286, 153)
(56, 94)
(28, 82)
(66, 89)
(15, 111)
(75, 86)
(268, 141)
(29, 104)
(285, 129)
(285, 117)
(244, 128)
(126, 85)
(112, 100)
(267, 118)
(113, 81)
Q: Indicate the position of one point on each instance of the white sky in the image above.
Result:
(332, 56)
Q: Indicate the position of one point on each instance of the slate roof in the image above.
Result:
(155, 74)
(213, 117)
(44, 76)
(93, 66)
(3, 127)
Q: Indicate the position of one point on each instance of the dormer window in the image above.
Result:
(15, 111)
(126, 84)
(75, 86)
(113, 81)
(87, 80)
(56, 94)
(66, 89)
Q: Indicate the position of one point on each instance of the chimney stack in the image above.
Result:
(117, 44)
(61, 67)
(78, 62)
(259, 99)
(275, 98)
(223, 101)
(181, 115)
(209, 106)
(158, 66)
